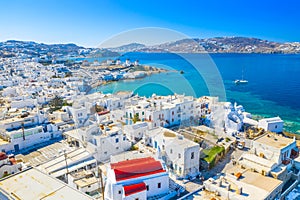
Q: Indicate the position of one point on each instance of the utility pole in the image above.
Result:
(101, 181)
(23, 133)
(65, 154)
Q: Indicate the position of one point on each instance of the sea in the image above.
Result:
(273, 87)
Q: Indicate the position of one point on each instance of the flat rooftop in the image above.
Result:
(84, 182)
(58, 163)
(268, 184)
(33, 184)
(43, 154)
(3, 141)
(272, 120)
(274, 140)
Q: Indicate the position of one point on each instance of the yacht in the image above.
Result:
(241, 81)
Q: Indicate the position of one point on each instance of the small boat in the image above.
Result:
(241, 81)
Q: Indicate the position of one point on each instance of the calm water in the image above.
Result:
(273, 88)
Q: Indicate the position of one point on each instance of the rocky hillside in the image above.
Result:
(217, 45)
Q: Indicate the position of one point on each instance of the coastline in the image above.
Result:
(146, 69)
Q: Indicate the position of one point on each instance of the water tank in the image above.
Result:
(228, 187)
(239, 190)
(180, 137)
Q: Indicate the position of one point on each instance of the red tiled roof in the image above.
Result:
(136, 168)
(134, 188)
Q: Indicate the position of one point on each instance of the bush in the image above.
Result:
(227, 139)
(212, 153)
(134, 148)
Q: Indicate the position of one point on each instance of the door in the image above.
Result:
(17, 148)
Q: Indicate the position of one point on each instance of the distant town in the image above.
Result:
(60, 141)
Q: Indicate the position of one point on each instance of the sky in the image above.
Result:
(91, 22)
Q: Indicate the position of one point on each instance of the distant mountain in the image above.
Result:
(218, 45)
(14, 48)
(128, 47)
(48, 52)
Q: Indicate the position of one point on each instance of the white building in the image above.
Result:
(34, 184)
(136, 179)
(8, 165)
(79, 115)
(181, 155)
(274, 124)
(110, 141)
(164, 111)
(76, 160)
(84, 181)
(271, 155)
(136, 131)
(104, 142)
(239, 184)
(275, 148)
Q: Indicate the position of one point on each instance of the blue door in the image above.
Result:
(17, 148)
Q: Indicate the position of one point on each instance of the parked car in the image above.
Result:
(240, 146)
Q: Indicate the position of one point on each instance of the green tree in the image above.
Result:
(56, 103)
(136, 118)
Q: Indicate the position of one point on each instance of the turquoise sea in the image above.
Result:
(273, 88)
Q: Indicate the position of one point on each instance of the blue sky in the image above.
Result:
(89, 22)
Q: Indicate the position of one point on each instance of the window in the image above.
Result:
(159, 185)
(147, 186)
(124, 138)
(117, 148)
(179, 155)
(192, 155)
(143, 113)
(171, 151)
(275, 126)
(120, 192)
(117, 140)
(105, 152)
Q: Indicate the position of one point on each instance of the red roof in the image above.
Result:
(136, 168)
(3, 156)
(103, 112)
(135, 188)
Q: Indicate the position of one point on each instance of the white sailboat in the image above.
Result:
(241, 81)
